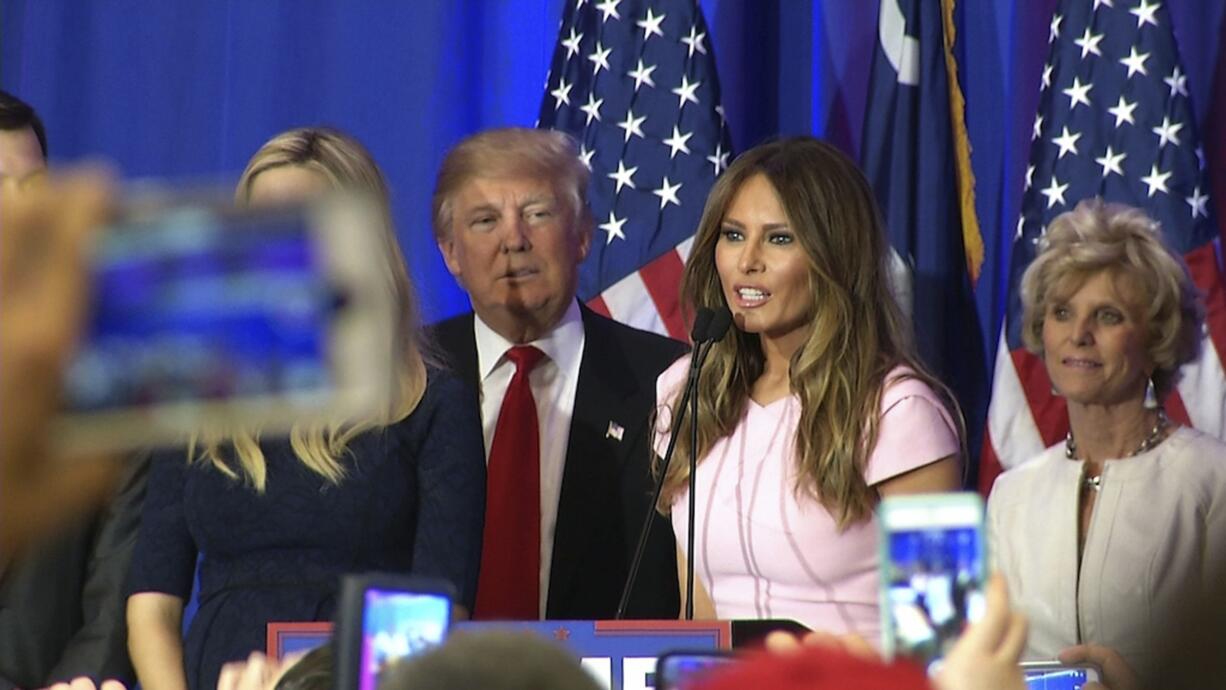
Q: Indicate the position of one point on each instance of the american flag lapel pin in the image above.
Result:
(615, 431)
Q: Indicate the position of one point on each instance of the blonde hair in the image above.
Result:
(513, 152)
(1122, 240)
(857, 337)
(346, 164)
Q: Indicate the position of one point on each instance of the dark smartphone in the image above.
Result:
(384, 618)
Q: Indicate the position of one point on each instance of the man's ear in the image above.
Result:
(585, 236)
(448, 249)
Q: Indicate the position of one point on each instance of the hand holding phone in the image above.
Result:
(933, 570)
(209, 317)
(987, 654)
(384, 618)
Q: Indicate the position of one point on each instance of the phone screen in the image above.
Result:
(1056, 678)
(934, 578)
(198, 304)
(398, 624)
(684, 671)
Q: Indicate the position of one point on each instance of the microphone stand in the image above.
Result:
(698, 335)
(716, 329)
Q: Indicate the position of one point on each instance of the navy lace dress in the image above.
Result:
(413, 502)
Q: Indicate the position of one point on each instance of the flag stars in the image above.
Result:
(694, 41)
(1089, 43)
(1156, 181)
(592, 108)
(1178, 81)
(1135, 62)
(1029, 176)
(632, 125)
(1199, 201)
(1123, 112)
(1110, 162)
(624, 176)
(572, 43)
(599, 58)
(1168, 132)
(642, 75)
(1054, 192)
(1054, 31)
(1145, 13)
(678, 142)
(608, 8)
(719, 159)
(614, 228)
(667, 193)
(1038, 127)
(1078, 93)
(585, 155)
(1100, 3)
(1067, 142)
(561, 95)
(1047, 70)
(651, 25)
(685, 92)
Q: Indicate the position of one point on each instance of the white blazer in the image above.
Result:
(1155, 544)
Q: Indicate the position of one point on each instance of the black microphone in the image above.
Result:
(702, 323)
(717, 327)
(699, 335)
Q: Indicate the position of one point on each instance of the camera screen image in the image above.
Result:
(1056, 679)
(194, 304)
(935, 586)
(396, 625)
(683, 671)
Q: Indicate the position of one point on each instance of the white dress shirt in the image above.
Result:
(554, 382)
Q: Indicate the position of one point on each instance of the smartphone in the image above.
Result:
(933, 572)
(384, 618)
(1052, 675)
(206, 316)
(684, 670)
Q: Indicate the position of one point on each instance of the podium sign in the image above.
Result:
(620, 654)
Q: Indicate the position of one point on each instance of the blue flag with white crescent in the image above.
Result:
(910, 155)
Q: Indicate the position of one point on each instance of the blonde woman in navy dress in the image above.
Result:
(275, 522)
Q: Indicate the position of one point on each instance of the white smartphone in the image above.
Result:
(206, 316)
(933, 572)
(1053, 675)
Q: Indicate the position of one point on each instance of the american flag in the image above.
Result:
(634, 82)
(1114, 121)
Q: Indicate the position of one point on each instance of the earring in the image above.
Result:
(1151, 396)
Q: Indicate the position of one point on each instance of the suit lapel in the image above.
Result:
(456, 342)
(594, 456)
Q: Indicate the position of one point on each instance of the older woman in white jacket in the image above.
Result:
(1116, 536)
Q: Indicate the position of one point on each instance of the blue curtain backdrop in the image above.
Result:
(190, 88)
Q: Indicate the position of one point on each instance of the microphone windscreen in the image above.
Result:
(702, 321)
(718, 326)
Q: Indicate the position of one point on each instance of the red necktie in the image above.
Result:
(508, 586)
